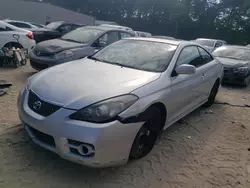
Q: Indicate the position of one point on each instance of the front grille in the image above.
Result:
(42, 137)
(41, 107)
(38, 66)
(42, 53)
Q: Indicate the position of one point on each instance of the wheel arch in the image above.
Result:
(143, 116)
(14, 44)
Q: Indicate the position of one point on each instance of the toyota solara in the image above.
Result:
(110, 107)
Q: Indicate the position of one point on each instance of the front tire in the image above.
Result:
(147, 135)
(246, 81)
(213, 94)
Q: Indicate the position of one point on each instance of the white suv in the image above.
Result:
(11, 36)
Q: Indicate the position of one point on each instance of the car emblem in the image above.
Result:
(38, 53)
(37, 105)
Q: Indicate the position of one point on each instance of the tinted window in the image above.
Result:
(189, 55)
(65, 28)
(20, 25)
(82, 35)
(205, 56)
(142, 55)
(125, 35)
(110, 37)
(218, 44)
(233, 53)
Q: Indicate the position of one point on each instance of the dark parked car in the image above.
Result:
(53, 30)
(236, 61)
(75, 45)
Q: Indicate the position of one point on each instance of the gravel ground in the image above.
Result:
(208, 148)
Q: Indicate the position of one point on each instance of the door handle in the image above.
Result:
(203, 76)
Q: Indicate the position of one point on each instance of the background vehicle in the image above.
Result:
(22, 24)
(54, 30)
(117, 27)
(108, 107)
(143, 34)
(164, 37)
(236, 61)
(210, 44)
(11, 36)
(77, 44)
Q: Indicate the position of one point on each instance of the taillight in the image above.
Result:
(30, 35)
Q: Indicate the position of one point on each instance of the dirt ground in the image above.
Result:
(209, 148)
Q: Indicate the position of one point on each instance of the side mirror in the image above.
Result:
(185, 69)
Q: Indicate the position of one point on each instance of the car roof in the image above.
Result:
(104, 28)
(175, 42)
(210, 39)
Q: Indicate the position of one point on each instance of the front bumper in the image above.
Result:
(41, 63)
(234, 78)
(109, 144)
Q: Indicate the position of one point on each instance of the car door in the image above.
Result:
(6, 35)
(186, 89)
(209, 69)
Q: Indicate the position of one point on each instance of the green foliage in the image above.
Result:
(186, 19)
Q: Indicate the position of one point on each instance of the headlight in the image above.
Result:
(29, 80)
(105, 111)
(64, 54)
(241, 69)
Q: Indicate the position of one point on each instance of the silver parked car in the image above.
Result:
(104, 109)
(76, 44)
(210, 44)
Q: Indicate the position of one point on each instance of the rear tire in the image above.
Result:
(148, 134)
(213, 94)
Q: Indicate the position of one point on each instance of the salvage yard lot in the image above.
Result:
(208, 148)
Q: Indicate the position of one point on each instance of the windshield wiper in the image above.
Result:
(94, 58)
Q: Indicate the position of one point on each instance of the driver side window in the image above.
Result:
(109, 37)
(218, 44)
(189, 55)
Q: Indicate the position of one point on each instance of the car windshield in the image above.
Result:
(233, 53)
(138, 54)
(205, 42)
(82, 35)
(53, 25)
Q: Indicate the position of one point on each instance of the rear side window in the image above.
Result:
(189, 55)
(206, 57)
(20, 25)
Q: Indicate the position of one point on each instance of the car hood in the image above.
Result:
(77, 84)
(232, 63)
(57, 45)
